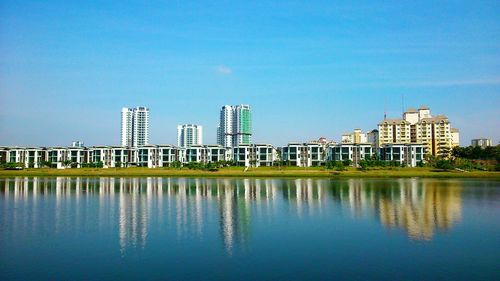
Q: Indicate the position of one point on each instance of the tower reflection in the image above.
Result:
(189, 207)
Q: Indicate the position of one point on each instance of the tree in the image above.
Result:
(176, 164)
(347, 162)
(339, 166)
(363, 164)
(67, 162)
(444, 164)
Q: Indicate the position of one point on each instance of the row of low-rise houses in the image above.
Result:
(406, 141)
(298, 154)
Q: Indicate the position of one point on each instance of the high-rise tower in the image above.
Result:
(189, 134)
(135, 126)
(127, 131)
(235, 125)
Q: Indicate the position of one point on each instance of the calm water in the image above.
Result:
(243, 229)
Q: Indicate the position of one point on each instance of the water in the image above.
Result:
(246, 229)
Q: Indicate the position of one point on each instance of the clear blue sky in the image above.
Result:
(307, 68)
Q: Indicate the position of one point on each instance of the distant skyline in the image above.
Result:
(307, 69)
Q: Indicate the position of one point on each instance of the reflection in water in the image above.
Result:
(185, 206)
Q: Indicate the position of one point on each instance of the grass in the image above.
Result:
(263, 172)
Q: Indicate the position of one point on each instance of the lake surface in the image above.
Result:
(249, 229)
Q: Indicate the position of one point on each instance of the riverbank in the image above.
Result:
(263, 172)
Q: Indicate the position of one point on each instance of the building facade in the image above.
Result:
(303, 154)
(189, 134)
(134, 126)
(404, 154)
(351, 152)
(235, 125)
(420, 127)
(482, 142)
(254, 155)
(355, 137)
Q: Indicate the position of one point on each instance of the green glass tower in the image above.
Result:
(235, 125)
(243, 121)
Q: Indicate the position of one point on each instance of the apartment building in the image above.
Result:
(481, 142)
(235, 125)
(420, 127)
(189, 134)
(355, 137)
(134, 126)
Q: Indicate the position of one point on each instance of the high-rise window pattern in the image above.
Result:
(135, 126)
(235, 125)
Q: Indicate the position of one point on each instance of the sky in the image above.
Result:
(307, 68)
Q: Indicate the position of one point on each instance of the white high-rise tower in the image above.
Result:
(189, 134)
(135, 126)
(126, 132)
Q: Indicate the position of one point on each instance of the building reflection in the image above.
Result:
(188, 207)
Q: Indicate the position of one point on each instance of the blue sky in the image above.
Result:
(307, 68)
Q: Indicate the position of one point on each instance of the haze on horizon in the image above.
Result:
(308, 69)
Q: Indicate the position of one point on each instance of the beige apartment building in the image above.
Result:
(419, 126)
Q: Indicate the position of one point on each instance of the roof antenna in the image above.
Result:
(385, 107)
(403, 104)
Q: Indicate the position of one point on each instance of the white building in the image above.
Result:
(303, 154)
(189, 134)
(351, 152)
(482, 142)
(404, 154)
(77, 144)
(205, 154)
(127, 126)
(135, 126)
(235, 125)
(255, 155)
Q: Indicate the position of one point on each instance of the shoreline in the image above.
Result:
(263, 172)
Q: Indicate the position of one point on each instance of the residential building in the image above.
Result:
(141, 126)
(127, 127)
(420, 127)
(76, 156)
(135, 126)
(372, 138)
(205, 154)
(355, 137)
(243, 125)
(122, 157)
(303, 154)
(255, 155)
(225, 129)
(77, 144)
(455, 137)
(57, 156)
(167, 154)
(404, 154)
(148, 156)
(351, 152)
(394, 131)
(482, 142)
(235, 125)
(189, 134)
